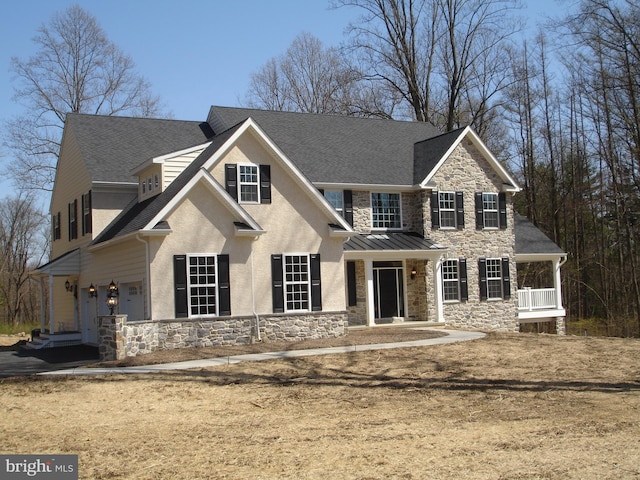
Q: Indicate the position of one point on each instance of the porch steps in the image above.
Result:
(45, 340)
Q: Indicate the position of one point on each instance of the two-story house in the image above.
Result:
(261, 224)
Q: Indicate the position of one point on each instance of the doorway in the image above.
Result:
(388, 290)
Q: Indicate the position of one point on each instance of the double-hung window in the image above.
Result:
(447, 210)
(495, 283)
(491, 210)
(386, 210)
(201, 284)
(447, 204)
(296, 282)
(248, 183)
(454, 280)
(336, 199)
(73, 220)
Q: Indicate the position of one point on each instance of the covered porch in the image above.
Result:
(539, 281)
(59, 285)
(387, 280)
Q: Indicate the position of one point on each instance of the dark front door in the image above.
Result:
(388, 289)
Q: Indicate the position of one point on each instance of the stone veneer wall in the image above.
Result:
(120, 339)
(466, 170)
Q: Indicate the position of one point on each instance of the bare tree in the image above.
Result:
(311, 78)
(22, 247)
(445, 58)
(76, 69)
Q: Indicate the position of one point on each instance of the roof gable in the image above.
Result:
(432, 153)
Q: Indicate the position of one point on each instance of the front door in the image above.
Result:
(388, 289)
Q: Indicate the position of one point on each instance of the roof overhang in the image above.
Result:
(67, 264)
(392, 246)
(540, 257)
(163, 158)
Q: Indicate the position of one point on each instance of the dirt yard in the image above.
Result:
(505, 407)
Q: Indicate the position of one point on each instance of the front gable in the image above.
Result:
(480, 153)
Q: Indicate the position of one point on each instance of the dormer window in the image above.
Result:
(248, 182)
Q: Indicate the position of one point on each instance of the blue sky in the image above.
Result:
(195, 53)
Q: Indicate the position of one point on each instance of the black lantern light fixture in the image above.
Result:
(67, 286)
(93, 293)
(112, 297)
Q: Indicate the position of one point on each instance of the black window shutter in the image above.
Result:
(482, 274)
(348, 206)
(321, 190)
(506, 280)
(316, 284)
(502, 209)
(180, 286)
(435, 210)
(224, 286)
(462, 279)
(277, 286)
(352, 294)
(460, 210)
(231, 179)
(265, 183)
(479, 211)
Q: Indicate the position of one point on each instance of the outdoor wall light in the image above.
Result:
(67, 286)
(414, 272)
(112, 297)
(92, 291)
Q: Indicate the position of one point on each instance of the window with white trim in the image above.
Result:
(494, 278)
(336, 199)
(202, 285)
(447, 206)
(490, 210)
(248, 183)
(386, 210)
(450, 283)
(297, 282)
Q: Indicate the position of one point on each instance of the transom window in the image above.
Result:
(296, 282)
(494, 278)
(447, 206)
(450, 280)
(248, 181)
(202, 285)
(490, 210)
(386, 211)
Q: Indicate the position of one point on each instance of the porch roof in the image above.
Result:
(66, 264)
(532, 244)
(402, 244)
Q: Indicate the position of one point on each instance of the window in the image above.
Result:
(86, 213)
(55, 222)
(342, 201)
(491, 210)
(156, 180)
(385, 209)
(494, 278)
(201, 283)
(336, 199)
(447, 210)
(248, 181)
(454, 280)
(296, 282)
(73, 220)
(447, 203)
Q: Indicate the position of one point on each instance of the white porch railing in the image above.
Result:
(530, 299)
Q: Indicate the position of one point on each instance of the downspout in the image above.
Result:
(253, 299)
(147, 293)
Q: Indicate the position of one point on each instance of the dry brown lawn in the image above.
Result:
(504, 407)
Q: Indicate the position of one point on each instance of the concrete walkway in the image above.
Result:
(452, 336)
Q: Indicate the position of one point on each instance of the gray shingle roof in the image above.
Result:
(111, 146)
(136, 215)
(428, 153)
(530, 239)
(337, 149)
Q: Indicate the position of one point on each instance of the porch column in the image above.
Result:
(557, 283)
(437, 274)
(43, 307)
(371, 309)
(51, 319)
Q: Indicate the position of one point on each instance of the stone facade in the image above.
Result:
(120, 339)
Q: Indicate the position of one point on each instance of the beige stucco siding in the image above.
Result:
(293, 222)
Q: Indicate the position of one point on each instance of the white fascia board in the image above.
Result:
(253, 128)
(510, 185)
(539, 257)
(163, 158)
(204, 176)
